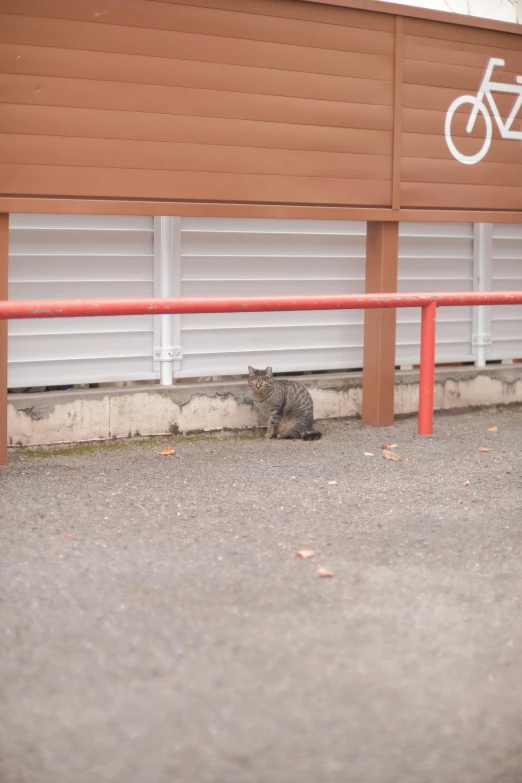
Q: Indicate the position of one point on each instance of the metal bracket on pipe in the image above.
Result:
(481, 339)
(169, 353)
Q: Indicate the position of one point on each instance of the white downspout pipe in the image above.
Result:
(168, 259)
(482, 257)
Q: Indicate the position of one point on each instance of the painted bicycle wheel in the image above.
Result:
(474, 103)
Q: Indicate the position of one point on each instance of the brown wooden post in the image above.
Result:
(4, 261)
(382, 253)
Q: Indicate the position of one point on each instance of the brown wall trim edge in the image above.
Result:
(75, 206)
(419, 13)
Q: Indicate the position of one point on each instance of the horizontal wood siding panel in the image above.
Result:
(460, 34)
(435, 50)
(424, 145)
(457, 77)
(432, 122)
(138, 69)
(423, 96)
(191, 46)
(119, 183)
(104, 123)
(234, 24)
(450, 196)
(51, 91)
(56, 151)
(138, 14)
(451, 171)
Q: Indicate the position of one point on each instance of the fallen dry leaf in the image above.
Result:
(390, 455)
(407, 458)
(305, 553)
(332, 482)
(384, 445)
(368, 454)
(166, 452)
(492, 429)
(484, 450)
(324, 573)
(466, 483)
(393, 446)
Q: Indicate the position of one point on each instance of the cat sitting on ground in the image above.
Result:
(287, 406)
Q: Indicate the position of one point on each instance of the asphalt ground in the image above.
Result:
(157, 626)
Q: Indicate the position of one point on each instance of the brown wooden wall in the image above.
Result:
(442, 62)
(170, 101)
(244, 101)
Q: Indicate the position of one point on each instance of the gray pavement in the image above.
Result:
(157, 627)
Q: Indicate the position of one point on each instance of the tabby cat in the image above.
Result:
(287, 405)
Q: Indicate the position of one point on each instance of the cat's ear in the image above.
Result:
(268, 371)
(251, 370)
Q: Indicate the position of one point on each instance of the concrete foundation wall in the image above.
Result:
(101, 414)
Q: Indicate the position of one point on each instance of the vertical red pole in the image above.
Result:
(427, 369)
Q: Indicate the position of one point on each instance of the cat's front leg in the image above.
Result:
(272, 427)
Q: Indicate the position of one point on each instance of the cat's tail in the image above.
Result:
(312, 435)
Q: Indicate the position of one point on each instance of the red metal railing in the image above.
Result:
(248, 304)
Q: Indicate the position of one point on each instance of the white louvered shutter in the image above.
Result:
(506, 275)
(435, 257)
(233, 257)
(78, 256)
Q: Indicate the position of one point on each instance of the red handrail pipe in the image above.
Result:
(71, 308)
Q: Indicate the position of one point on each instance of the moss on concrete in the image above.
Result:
(153, 441)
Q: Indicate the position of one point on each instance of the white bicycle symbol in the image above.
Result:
(478, 105)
